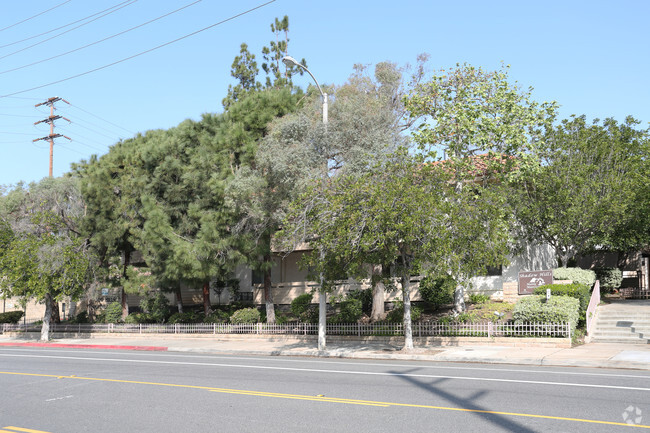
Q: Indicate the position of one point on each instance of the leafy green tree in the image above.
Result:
(490, 130)
(587, 188)
(46, 259)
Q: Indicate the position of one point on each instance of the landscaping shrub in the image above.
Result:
(157, 305)
(486, 311)
(217, 316)
(301, 304)
(437, 291)
(350, 311)
(245, 315)
(112, 313)
(610, 278)
(11, 316)
(310, 315)
(579, 291)
(396, 315)
(577, 275)
(535, 309)
(139, 318)
(186, 317)
(365, 296)
(478, 298)
(80, 318)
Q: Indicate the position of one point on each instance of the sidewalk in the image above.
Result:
(599, 355)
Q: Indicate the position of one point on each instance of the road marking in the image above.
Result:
(321, 399)
(496, 367)
(360, 373)
(15, 429)
(59, 398)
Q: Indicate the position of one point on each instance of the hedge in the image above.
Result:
(558, 309)
(577, 275)
(245, 315)
(610, 278)
(11, 316)
(579, 291)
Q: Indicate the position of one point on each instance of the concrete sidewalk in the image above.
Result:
(600, 355)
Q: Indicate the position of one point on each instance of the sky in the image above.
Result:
(592, 57)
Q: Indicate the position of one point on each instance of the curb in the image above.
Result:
(90, 346)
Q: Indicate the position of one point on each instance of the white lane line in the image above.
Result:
(314, 370)
(59, 398)
(379, 363)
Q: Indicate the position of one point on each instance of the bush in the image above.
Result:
(157, 305)
(396, 315)
(186, 317)
(558, 309)
(478, 298)
(80, 318)
(365, 296)
(217, 316)
(11, 316)
(350, 311)
(577, 275)
(301, 304)
(610, 278)
(486, 312)
(579, 291)
(112, 313)
(245, 315)
(437, 291)
(139, 318)
(309, 316)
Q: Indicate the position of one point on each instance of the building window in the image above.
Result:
(494, 271)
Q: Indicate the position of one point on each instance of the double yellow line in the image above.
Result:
(323, 399)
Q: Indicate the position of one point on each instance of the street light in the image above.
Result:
(322, 303)
(290, 61)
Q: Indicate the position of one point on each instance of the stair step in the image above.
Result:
(619, 340)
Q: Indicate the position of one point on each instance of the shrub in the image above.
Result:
(578, 291)
(396, 315)
(558, 309)
(80, 318)
(350, 311)
(309, 316)
(486, 312)
(301, 304)
(186, 317)
(139, 318)
(112, 313)
(11, 316)
(157, 305)
(437, 291)
(217, 316)
(365, 296)
(610, 278)
(245, 315)
(478, 298)
(577, 275)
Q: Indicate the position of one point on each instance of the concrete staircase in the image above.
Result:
(623, 322)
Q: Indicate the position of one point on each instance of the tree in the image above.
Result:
(46, 257)
(468, 112)
(587, 189)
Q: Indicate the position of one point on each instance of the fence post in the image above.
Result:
(140, 326)
(489, 329)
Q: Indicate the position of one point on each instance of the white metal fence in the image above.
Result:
(420, 329)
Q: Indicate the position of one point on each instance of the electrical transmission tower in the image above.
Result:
(50, 120)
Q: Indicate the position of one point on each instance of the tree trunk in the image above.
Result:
(378, 293)
(406, 298)
(125, 305)
(179, 299)
(268, 293)
(45, 329)
(459, 297)
(207, 308)
(56, 316)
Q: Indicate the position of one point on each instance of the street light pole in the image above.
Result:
(322, 298)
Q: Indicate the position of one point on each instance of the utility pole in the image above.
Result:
(50, 120)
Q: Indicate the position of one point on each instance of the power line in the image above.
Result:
(99, 41)
(68, 31)
(141, 53)
(37, 15)
(63, 26)
(94, 115)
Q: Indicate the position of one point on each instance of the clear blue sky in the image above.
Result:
(593, 57)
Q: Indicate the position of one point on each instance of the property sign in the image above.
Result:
(529, 281)
(105, 292)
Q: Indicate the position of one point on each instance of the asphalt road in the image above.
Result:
(67, 391)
